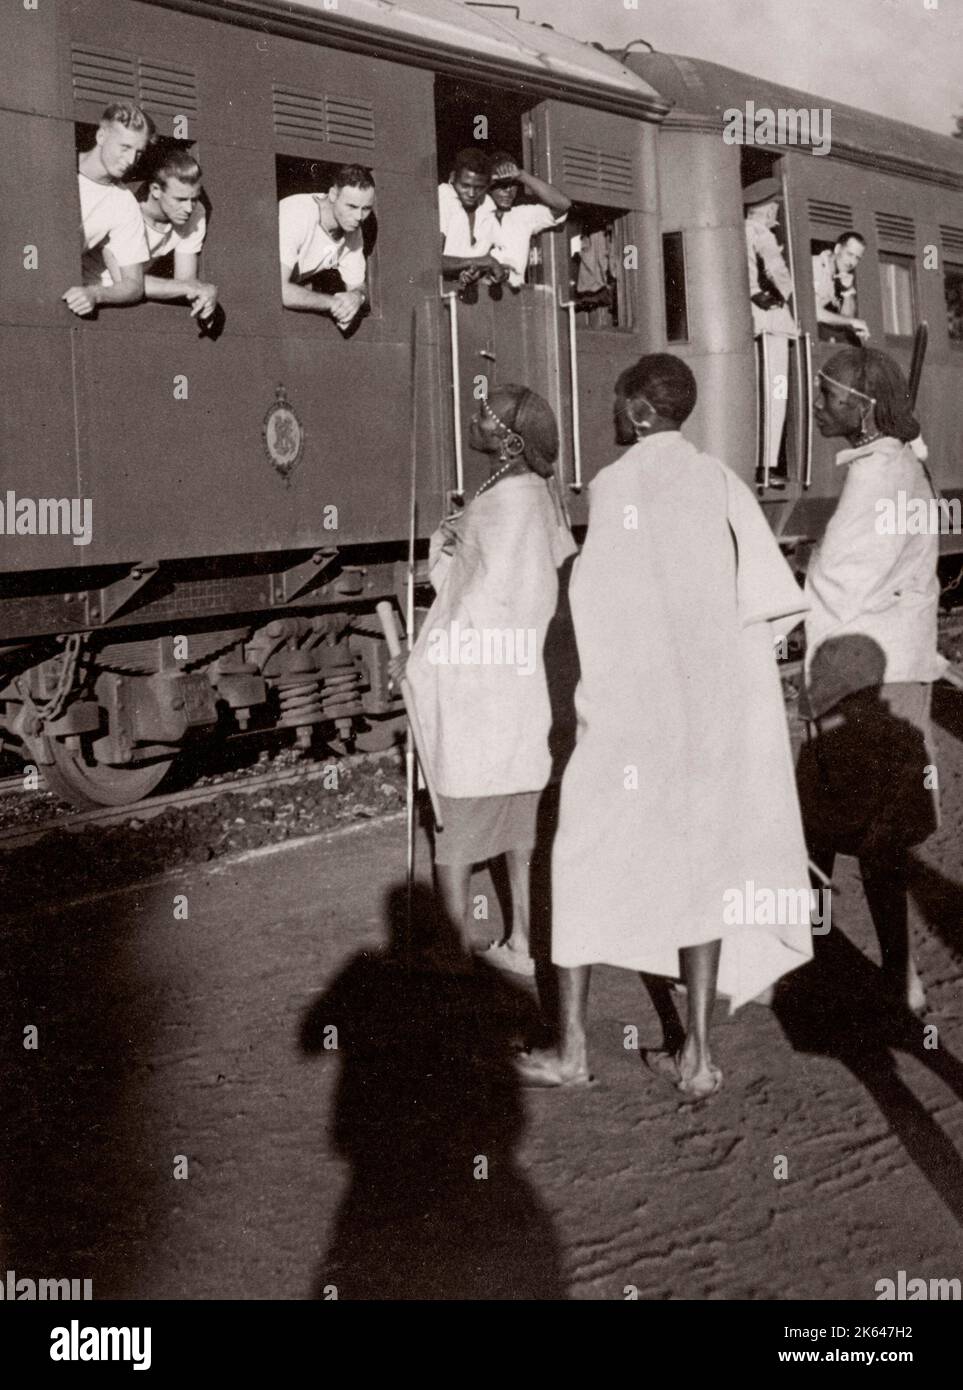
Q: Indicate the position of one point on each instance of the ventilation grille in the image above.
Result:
(298, 113)
(102, 77)
(893, 226)
(838, 216)
(171, 91)
(952, 238)
(350, 122)
(327, 120)
(606, 172)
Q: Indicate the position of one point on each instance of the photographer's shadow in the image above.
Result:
(428, 1113)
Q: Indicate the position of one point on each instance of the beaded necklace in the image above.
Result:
(495, 477)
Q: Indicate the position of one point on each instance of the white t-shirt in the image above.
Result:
(304, 244)
(187, 239)
(453, 222)
(513, 236)
(110, 216)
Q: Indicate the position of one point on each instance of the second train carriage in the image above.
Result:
(231, 583)
(900, 187)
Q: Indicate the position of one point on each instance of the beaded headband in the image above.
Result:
(850, 390)
(514, 443)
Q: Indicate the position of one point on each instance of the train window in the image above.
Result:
(319, 230)
(599, 257)
(169, 163)
(953, 291)
(896, 285)
(673, 277)
(835, 270)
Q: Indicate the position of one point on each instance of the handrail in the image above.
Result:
(576, 484)
(807, 477)
(798, 366)
(762, 395)
(459, 489)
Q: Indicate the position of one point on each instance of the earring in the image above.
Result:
(864, 435)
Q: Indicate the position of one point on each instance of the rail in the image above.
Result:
(807, 376)
(452, 299)
(764, 414)
(576, 484)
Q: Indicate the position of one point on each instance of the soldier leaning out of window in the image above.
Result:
(834, 284)
(322, 232)
(111, 222)
(174, 222)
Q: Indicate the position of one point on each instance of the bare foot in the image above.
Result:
(695, 1076)
(546, 1068)
(908, 993)
(508, 957)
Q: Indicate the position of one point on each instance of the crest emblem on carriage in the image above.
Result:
(283, 434)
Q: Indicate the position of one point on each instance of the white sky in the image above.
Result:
(896, 57)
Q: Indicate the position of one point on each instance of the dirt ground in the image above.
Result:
(186, 1128)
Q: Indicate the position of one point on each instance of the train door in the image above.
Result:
(494, 332)
(779, 273)
(585, 310)
(606, 271)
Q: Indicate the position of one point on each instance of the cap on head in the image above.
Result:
(761, 192)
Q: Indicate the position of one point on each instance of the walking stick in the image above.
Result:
(390, 628)
(410, 772)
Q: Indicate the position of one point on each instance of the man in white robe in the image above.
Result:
(680, 840)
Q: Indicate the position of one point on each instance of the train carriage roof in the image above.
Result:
(449, 37)
(702, 91)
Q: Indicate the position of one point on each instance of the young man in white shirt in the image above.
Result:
(174, 220)
(466, 220)
(110, 218)
(834, 285)
(770, 294)
(322, 231)
(518, 222)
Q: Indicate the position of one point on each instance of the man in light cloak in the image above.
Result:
(680, 847)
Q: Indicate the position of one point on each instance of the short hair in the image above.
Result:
(474, 161)
(175, 164)
(876, 374)
(126, 113)
(843, 237)
(534, 420)
(352, 176)
(665, 381)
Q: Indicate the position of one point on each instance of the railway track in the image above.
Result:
(74, 821)
(19, 837)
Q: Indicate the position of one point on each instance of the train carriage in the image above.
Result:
(249, 488)
(900, 187)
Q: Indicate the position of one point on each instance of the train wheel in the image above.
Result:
(381, 735)
(94, 784)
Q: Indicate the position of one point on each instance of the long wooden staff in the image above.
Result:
(410, 764)
(390, 628)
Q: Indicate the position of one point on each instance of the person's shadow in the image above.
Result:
(863, 783)
(834, 1007)
(864, 789)
(428, 1113)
